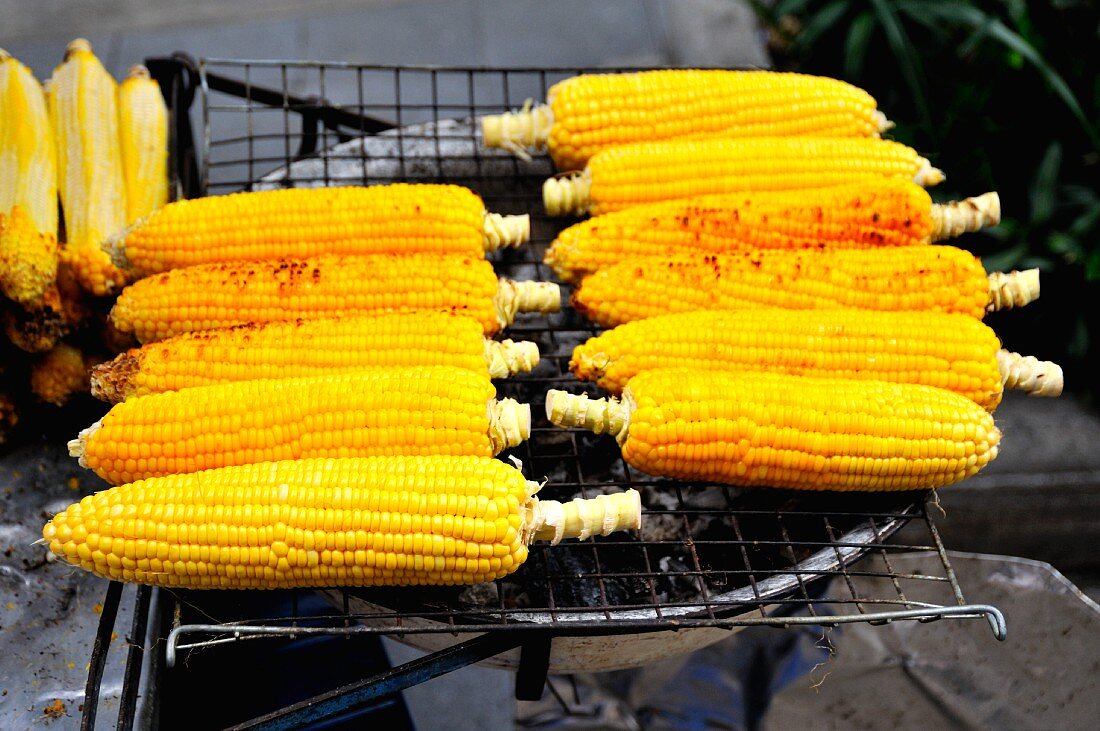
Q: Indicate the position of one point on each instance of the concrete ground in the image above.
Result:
(1039, 500)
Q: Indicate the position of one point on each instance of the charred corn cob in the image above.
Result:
(796, 432)
(309, 347)
(28, 186)
(209, 296)
(59, 375)
(9, 417)
(955, 352)
(61, 310)
(431, 410)
(637, 174)
(143, 140)
(303, 222)
(884, 213)
(936, 278)
(373, 521)
(84, 112)
(588, 113)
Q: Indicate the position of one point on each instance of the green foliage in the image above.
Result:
(1002, 95)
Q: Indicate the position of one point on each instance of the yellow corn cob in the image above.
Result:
(588, 113)
(796, 432)
(937, 278)
(885, 213)
(28, 186)
(143, 140)
(637, 174)
(59, 375)
(955, 352)
(302, 222)
(209, 296)
(84, 112)
(309, 347)
(374, 521)
(430, 410)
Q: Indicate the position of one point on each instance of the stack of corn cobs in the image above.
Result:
(312, 403)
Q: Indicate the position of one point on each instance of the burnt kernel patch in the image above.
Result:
(875, 217)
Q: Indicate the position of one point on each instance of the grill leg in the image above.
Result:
(534, 664)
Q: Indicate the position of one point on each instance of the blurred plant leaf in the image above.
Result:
(855, 50)
(909, 63)
(987, 26)
(1006, 259)
(822, 21)
(1046, 184)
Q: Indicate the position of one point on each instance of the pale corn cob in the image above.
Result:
(143, 141)
(642, 173)
(374, 521)
(795, 432)
(430, 410)
(935, 278)
(84, 112)
(955, 352)
(209, 296)
(28, 186)
(302, 222)
(309, 347)
(588, 113)
(883, 213)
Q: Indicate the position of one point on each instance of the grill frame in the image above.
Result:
(307, 127)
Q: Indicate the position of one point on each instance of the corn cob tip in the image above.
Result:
(506, 231)
(1029, 374)
(115, 246)
(882, 124)
(567, 195)
(583, 518)
(77, 45)
(138, 71)
(970, 214)
(507, 357)
(601, 416)
(1012, 289)
(78, 446)
(927, 176)
(519, 131)
(509, 423)
(513, 297)
(114, 381)
(4, 55)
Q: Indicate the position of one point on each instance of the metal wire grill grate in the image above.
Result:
(707, 555)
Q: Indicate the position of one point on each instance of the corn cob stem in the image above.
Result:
(970, 214)
(1012, 289)
(509, 423)
(507, 357)
(568, 195)
(583, 518)
(518, 131)
(506, 231)
(1029, 374)
(513, 297)
(600, 416)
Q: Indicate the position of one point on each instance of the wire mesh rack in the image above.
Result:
(708, 556)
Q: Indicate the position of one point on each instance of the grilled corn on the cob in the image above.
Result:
(796, 432)
(374, 521)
